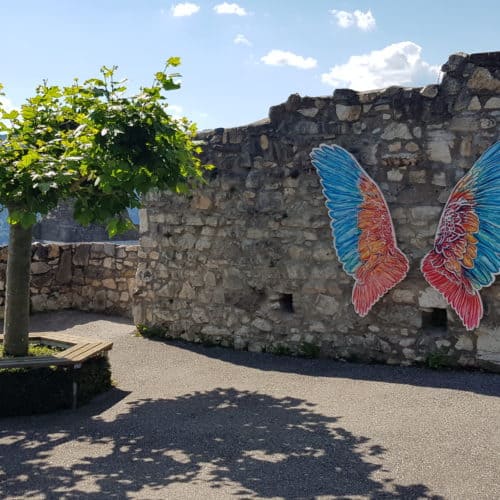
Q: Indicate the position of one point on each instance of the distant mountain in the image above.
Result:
(4, 226)
(133, 213)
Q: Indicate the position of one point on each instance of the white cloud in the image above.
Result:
(344, 19)
(397, 64)
(240, 39)
(230, 8)
(363, 20)
(284, 58)
(185, 9)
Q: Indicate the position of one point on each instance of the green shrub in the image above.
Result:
(308, 350)
(280, 350)
(151, 332)
(439, 360)
(93, 378)
(37, 350)
(28, 391)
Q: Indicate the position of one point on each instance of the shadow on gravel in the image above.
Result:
(64, 320)
(471, 381)
(253, 443)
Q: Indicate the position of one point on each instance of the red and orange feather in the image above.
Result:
(362, 228)
(466, 253)
(383, 265)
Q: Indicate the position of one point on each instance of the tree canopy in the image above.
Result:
(94, 144)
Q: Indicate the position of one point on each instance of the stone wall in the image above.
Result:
(95, 277)
(247, 261)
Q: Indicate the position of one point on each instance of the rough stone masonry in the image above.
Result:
(247, 260)
(95, 277)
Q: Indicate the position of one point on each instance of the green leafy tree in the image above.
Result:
(95, 145)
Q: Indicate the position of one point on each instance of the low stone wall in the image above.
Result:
(247, 261)
(95, 277)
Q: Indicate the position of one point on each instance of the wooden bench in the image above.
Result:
(78, 350)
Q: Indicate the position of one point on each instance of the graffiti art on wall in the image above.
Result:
(466, 253)
(362, 228)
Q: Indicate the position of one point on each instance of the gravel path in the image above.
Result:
(191, 422)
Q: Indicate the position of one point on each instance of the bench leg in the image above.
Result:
(75, 395)
(75, 386)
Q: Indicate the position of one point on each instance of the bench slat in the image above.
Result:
(87, 351)
(33, 362)
(79, 351)
(59, 337)
(68, 352)
(83, 357)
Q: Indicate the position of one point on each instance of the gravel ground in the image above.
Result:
(192, 422)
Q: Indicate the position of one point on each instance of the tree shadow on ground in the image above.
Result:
(461, 380)
(56, 321)
(245, 442)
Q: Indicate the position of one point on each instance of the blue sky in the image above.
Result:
(239, 58)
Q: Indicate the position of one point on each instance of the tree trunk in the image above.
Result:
(17, 296)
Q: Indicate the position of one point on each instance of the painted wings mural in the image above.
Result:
(466, 253)
(362, 228)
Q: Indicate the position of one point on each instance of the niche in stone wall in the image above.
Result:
(435, 319)
(286, 303)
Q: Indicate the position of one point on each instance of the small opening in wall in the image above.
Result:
(286, 303)
(435, 319)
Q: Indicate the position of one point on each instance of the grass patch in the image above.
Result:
(36, 350)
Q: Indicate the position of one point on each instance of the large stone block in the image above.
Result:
(39, 267)
(439, 143)
(430, 298)
(488, 345)
(348, 113)
(483, 80)
(396, 131)
(64, 271)
(327, 305)
(492, 103)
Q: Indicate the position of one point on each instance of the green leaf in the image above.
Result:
(112, 228)
(29, 158)
(169, 84)
(11, 115)
(108, 72)
(174, 61)
(44, 187)
(28, 113)
(53, 92)
(160, 76)
(25, 219)
(182, 188)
